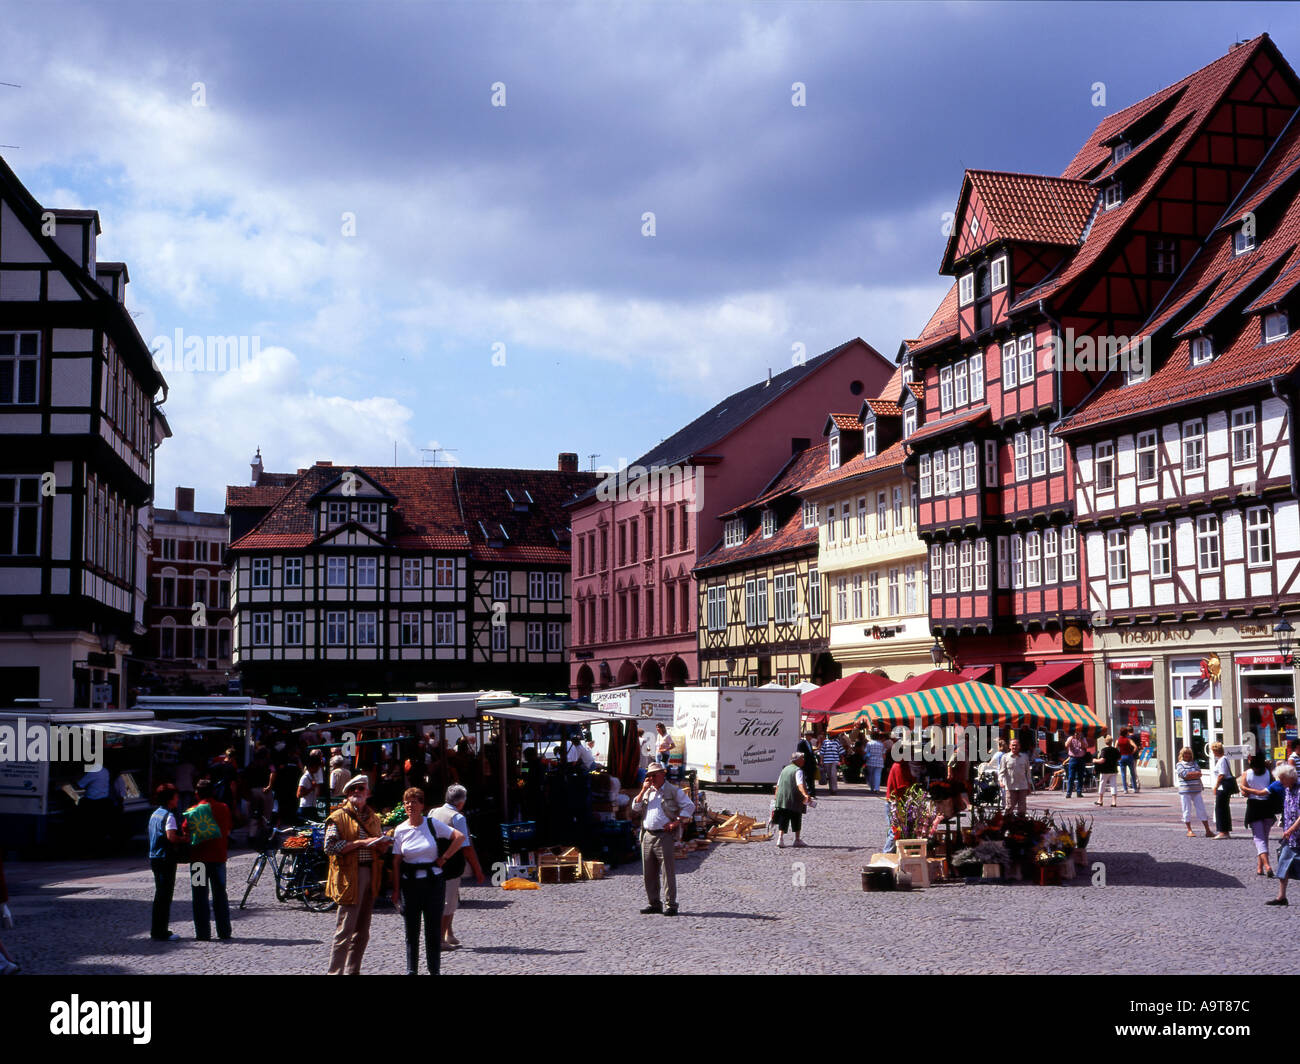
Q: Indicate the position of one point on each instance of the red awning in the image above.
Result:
(858, 709)
(1047, 674)
(975, 672)
(851, 691)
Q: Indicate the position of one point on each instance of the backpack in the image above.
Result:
(202, 824)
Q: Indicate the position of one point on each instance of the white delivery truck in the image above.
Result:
(737, 734)
(651, 707)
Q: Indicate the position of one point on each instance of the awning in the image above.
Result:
(975, 672)
(978, 703)
(153, 727)
(927, 680)
(1047, 674)
(539, 715)
(842, 695)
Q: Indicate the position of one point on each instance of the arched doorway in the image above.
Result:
(675, 675)
(651, 675)
(585, 681)
(626, 675)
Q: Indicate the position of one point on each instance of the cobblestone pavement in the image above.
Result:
(1169, 904)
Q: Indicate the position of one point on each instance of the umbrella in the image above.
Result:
(843, 721)
(840, 695)
(979, 703)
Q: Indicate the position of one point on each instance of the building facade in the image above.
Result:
(79, 421)
(760, 593)
(640, 535)
(382, 580)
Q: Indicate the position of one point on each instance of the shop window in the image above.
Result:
(1266, 695)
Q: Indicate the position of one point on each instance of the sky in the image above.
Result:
(486, 233)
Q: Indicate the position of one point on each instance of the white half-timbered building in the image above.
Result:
(79, 421)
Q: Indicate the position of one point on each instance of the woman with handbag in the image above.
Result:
(421, 847)
(1225, 786)
(165, 848)
(1259, 810)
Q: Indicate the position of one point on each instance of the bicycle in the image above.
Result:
(298, 873)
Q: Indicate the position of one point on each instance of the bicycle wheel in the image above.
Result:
(284, 879)
(254, 874)
(310, 884)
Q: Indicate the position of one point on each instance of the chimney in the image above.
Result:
(568, 462)
(185, 500)
(320, 463)
(256, 463)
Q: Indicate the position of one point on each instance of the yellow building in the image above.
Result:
(874, 565)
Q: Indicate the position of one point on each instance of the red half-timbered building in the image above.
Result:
(1052, 276)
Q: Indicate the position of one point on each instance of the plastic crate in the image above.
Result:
(520, 834)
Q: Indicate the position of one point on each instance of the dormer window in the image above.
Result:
(1121, 152)
(834, 448)
(999, 272)
(1136, 371)
(769, 524)
(369, 513)
(909, 421)
(336, 513)
(966, 289)
(734, 532)
(1243, 240)
(1202, 351)
(809, 514)
(1113, 196)
(1275, 327)
(907, 373)
(869, 440)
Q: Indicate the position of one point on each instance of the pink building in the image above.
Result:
(640, 533)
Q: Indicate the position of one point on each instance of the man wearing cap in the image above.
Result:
(354, 841)
(665, 808)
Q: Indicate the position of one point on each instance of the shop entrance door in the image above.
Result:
(1199, 733)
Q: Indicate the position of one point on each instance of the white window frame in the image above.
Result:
(1104, 458)
(869, 439)
(945, 389)
(862, 517)
(882, 513)
(1033, 560)
(1037, 451)
(970, 465)
(966, 565)
(898, 507)
(1161, 550)
(895, 599)
(911, 590)
(733, 532)
(981, 565)
(1259, 537)
(1243, 240)
(857, 585)
(1194, 446)
(814, 593)
(1021, 440)
(20, 360)
(1112, 196)
(336, 571)
(991, 463)
(444, 628)
(924, 478)
(950, 567)
(960, 384)
(554, 637)
(1209, 544)
(998, 273)
(954, 470)
(501, 585)
(1055, 453)
(1008, 365)
(410, 629)
(1276, 327)
(444, 572)
(909, 420)
(368, 571)
(1069, 554)
(293, 628)
(1148, 450)
(336, 513)
(1027, 350)
(1202, 350)
(293, 568)
(1051, 557)
(1117, 556)
(336, 628)
(554, 587)
(873, 595)
(536, 586)
(534, 636)
(1004, 563)
(412, 572)
(936, 566)
(966, 289)
(261, 572)
(1017, 563)
(1243, 436)
(368, 513)
(500, 638)
(833, 448)
(367, 628)
(977, 377)
(260, 628)
(809, 514)
(830, 522)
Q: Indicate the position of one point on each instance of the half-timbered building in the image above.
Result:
(761, 594)
(1053, 275)
(79, 421)
(1185, 487)
(379, 580)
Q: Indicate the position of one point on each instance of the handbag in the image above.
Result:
(1229, 786)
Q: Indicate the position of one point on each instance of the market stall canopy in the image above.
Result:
(150, 727)
(573, 713)
(839, 696)
(979, 703)
(458, 705)
(802, 687)
(925, 682)
(212, 706)
(1047, 675)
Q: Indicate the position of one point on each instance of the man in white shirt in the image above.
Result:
(453, 815)
(1013, 775)
(665, 808)
(579, 752)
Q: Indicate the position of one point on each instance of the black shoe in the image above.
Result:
(1278, 901)
(671, 910)
(1270, 874)
(653, 907)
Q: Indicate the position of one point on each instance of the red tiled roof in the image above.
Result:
(255, 495)
(791, 535)
(522, 555)
(857, 466)
(948, 424)
(884, 407)
(846, 421)
(273, 541)
(801, 468)
(917, 388)
(941, 326)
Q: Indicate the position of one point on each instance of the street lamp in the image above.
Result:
(938, 655)
(1283, 637)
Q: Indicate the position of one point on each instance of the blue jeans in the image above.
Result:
(1074, 775)
(873, 778)
(214, 876)
(1127, 768)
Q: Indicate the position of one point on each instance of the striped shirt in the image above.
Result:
(831, 752)
(875, 752)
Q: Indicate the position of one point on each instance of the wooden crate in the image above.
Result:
(593, 869)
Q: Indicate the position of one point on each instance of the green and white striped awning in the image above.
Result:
(980, 703)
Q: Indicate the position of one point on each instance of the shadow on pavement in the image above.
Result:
(519, 950)
(729, 916)
(1143, 870)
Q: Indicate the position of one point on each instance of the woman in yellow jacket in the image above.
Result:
(354, 842)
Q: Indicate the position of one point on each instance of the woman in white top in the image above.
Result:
(1223, 777)
(419, 888)
(1259, 810)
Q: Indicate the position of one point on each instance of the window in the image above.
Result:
(261, 572)
(936, 567)
(444, 572)
(1069, 554)
(1055, 453)
(1243, 240)
(1114, 195)
(1243, 435)
(1008, 365)
(1194, 446)
(1120, 152)
(444, 629)
(554, 587)
(336, 572)
(293, 629)
(814, 593)
(1259, 536)
(19, 367)
(501, 586)
(1105, 467)
(950, 566)
(999, 272)
(809, 514)
(1164, 257)
(1208, 555)
(1275, 327)
(959, 383)
(1136, 372)
(261, 629)
(368, 513)
(410, 630)
(293, 572)
(715, 607)
(834, 449)
(844, 522)
(842, 598)
(862, 517)
(412, 572)
(501, 638)
(1202, 351)
(893, 593)
(966, 289)
(925, 476)
(990, 462)
(336, 513)
(830, 523)
(974, 226)
(977, 377)
(1117, 556)
(869, 440)
(1026, 358)
(685, 530)
(784, 607)
(940, 475)
(909, 420)
(1004, 567)
(970, 461)
(981, 565)
(1022, 455)
(733, 533)
(1051, 573)
(898, 507)
(756, 601)
(554, 637)
(1038, 450)
(857, 594)
(1017, 562)
(873, 596)
(910, 589)
(536, 587)
(967, 565)
(954, 470)
(945, 388)
(1147, 454)
(882, 513)
(336, 628)
(367, 572)
(367, 629)
(168, 550)
(534, 637)
(1162, 561)
(634, 527)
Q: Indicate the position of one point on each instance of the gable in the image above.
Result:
(350, 535)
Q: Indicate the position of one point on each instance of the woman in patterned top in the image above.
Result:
(1288, 860)
(1189, 791)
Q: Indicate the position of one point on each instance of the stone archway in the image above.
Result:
(626, 675)
(584, 682)
(651, 674)
(675, 674)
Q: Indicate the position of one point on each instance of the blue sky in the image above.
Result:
(521, 225)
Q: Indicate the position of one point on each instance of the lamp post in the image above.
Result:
(1284, 640)
(938, 655)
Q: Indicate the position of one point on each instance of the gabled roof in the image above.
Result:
(951, 423)
(890, 458)
(843, 422)
(528, 504)
(255, 496)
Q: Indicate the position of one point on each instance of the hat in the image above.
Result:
(654, 767)
(355, 782)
